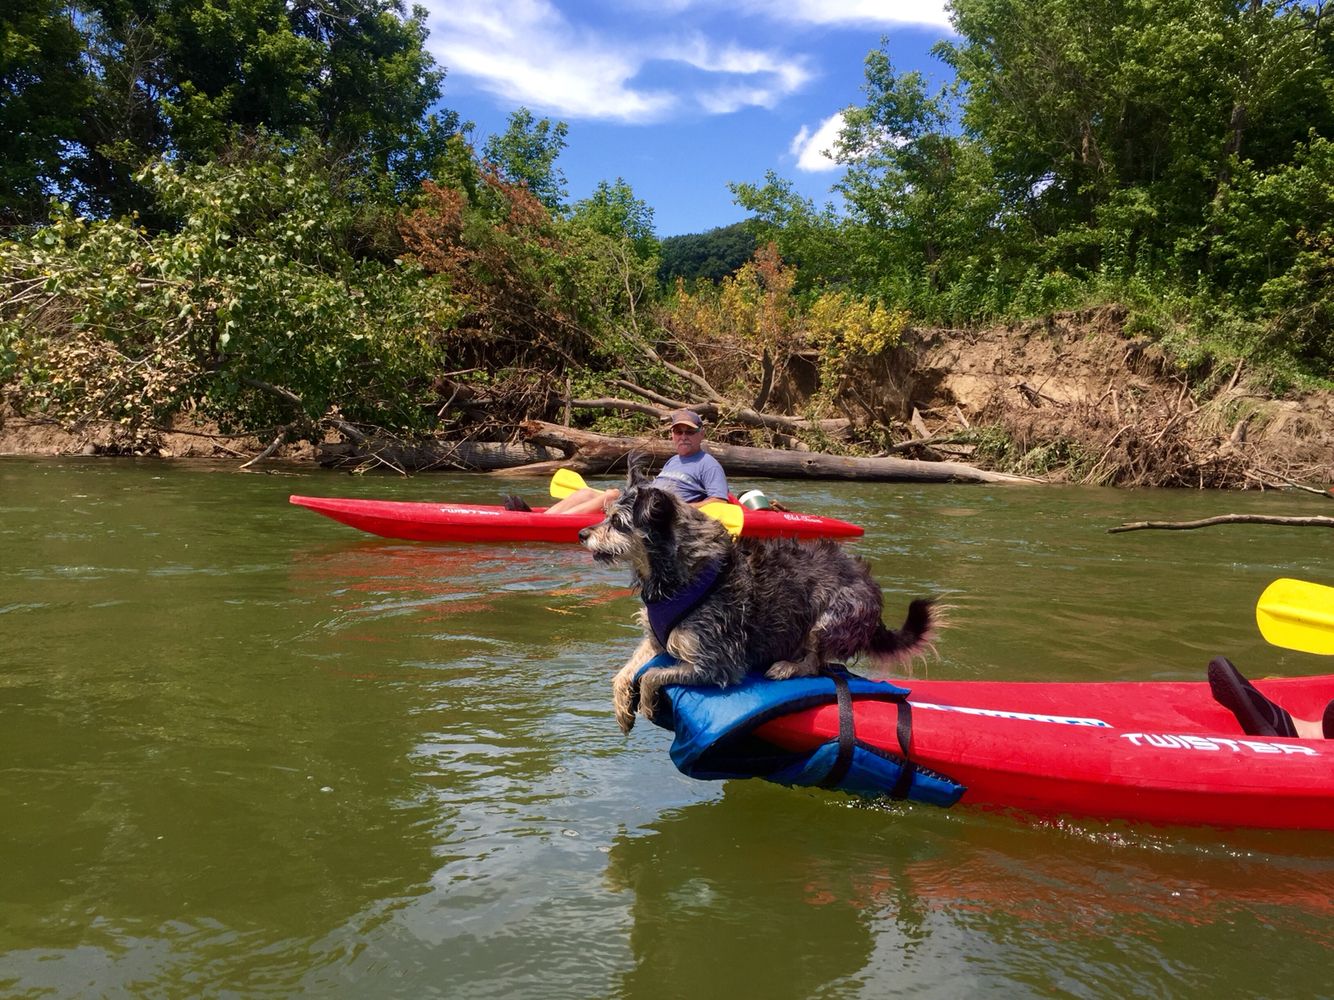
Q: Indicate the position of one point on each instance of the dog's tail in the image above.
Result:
(894, 645)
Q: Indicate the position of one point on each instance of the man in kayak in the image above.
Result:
(1258, 715)
(692, 473)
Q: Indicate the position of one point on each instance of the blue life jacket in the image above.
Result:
(715, 727)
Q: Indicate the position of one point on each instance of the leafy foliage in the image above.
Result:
(43, 94)
(187, 79)
(614, 211)
(1276, 237)
(526, 153)
(529, 289)
(824, 247)
(258, 288)
(849, 334)
(755, 319)
(1088, 151)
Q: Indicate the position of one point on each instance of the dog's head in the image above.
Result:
(662, 537)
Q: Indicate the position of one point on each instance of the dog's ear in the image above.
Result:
(654, 507)
(636, 463)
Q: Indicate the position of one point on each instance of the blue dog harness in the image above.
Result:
(664, 615)
(714, 729)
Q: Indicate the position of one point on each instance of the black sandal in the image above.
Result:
(1257, 714)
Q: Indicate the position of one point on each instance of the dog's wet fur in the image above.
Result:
(780, 607)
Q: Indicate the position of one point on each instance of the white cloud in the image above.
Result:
(812, 149)
(859, 13)
(528, 52)
(928, 13)
(525, 51)
(747, 77)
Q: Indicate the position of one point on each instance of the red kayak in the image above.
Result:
(461, 522)
(1162, 752)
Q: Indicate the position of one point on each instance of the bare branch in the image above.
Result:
(1292, 522)
(273, 446)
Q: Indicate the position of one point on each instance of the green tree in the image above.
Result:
(1274, 248)
(533, 291)
(375, 85)
(526, 153)
(818, 242)
(1081, 146)
(614, 211)
(1113, 125)
(188, 77)
(43, 95)
(925, 198)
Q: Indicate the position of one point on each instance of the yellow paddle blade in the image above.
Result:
(731, 516)
(565, 482)
(1297, 615)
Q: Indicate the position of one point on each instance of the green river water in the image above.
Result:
(248, 752)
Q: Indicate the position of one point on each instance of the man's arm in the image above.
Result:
(714, 480)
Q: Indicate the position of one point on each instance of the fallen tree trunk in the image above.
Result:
(374, 447)
(838, 426)
(462, 456)
(586, 452)
(1291, 522)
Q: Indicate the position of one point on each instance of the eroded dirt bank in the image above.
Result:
(1110, 408)
(1072, 396)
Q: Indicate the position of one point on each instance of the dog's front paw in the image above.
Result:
(648, 700)
(785, 670)
(624, 719)
(624, 700)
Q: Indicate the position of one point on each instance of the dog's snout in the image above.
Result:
(584, 534)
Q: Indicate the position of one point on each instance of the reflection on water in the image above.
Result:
(250, 751)
(722, 906)
(829, 899)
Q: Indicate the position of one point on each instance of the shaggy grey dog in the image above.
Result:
(725, 609)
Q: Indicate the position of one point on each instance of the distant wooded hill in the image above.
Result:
(713, 255)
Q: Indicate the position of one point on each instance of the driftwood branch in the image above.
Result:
(1288, 481)
(696, 380)
(1292, 522)
(639, 390)
(597, 453)
(273, 446)
(626, 405)
(279, 391)
(940, 438)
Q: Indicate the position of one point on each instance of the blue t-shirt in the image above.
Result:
(693, 478)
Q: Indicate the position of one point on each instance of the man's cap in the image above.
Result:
(688, 417)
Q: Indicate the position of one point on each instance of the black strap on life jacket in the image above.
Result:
(904, 731)
(847, 740)
(847, 734)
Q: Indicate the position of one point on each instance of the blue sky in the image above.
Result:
(678, 97)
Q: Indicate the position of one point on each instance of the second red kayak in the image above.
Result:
(461, 522)
(1156, 751)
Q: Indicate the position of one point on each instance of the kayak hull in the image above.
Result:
(457, 522)
(1160, 752)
